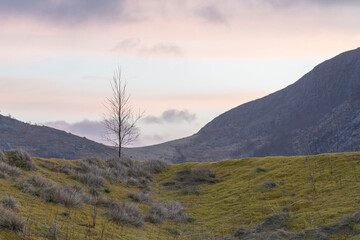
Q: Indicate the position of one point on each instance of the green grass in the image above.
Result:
(315, 190)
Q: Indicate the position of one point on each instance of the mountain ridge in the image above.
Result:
(282, 123)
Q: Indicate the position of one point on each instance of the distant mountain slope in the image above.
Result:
(318, 113)
(48, 142)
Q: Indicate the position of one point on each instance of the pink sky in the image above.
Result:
(200, 56)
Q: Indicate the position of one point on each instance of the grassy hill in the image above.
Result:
(181, 201)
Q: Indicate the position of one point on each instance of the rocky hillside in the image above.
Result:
(48, 142)
(319, 113)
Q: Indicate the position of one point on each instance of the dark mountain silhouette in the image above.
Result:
(318, 113)
(41, 141)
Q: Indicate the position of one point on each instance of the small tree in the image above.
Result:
(121, 120)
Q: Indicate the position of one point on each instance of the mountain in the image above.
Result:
(319, 113)
(48, 142)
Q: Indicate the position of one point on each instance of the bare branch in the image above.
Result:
(120, 120)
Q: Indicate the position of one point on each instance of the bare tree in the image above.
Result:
(121, 119)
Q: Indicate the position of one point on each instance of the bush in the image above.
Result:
(3, 157)
(20, 159)
(6, 170)
(140, 197)
(157, 214)
(64, 195)
(91, 179)
(125, 214)
(9, 202)
(156, 166)
(162, 211)
(10, 221)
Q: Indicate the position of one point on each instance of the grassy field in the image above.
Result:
(315, 190)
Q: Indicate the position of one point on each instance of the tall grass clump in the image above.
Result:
(3, 157)
(20, 159)
(9, 221)
(140, 197)
(163, 211)
(8, 171)
(125, 214)
(50, 192)
(9, 202)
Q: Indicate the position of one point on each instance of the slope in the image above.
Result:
(319, 113)
(314, 191)
(48, 142)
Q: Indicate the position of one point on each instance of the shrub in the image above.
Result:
(176, 212)
(64, 195)
(9, 202)
(21, 159)
(156, 166)
(3, 157)
(140, 197)
(157, 214)
(6, 170)
(162, 211)
(125, 214)
(10, 221)
(268, 185)
(103, 201)
(51, 231)
(91, 179)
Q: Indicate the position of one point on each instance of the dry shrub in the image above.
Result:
(9, 202)
(10, 221)
(20, 159)
(157, 214)
(125, 214)
(64, 195)
(3, 157)
(163, 211)
(91, 179)
(8, 171)
(156, 166)
(140, 197)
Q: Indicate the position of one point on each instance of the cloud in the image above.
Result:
(211, 14)
(139, 47)
(165, 48)
(128, 44)
(171, 116)
(73, 11)
(94, 130)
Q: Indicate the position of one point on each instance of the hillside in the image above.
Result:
(48, 142)
(315, 197)
(317, 114)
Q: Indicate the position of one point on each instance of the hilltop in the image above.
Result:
(48, 142)
(308, 197)
(317, 114)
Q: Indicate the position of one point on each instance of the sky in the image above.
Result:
(185, 62)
